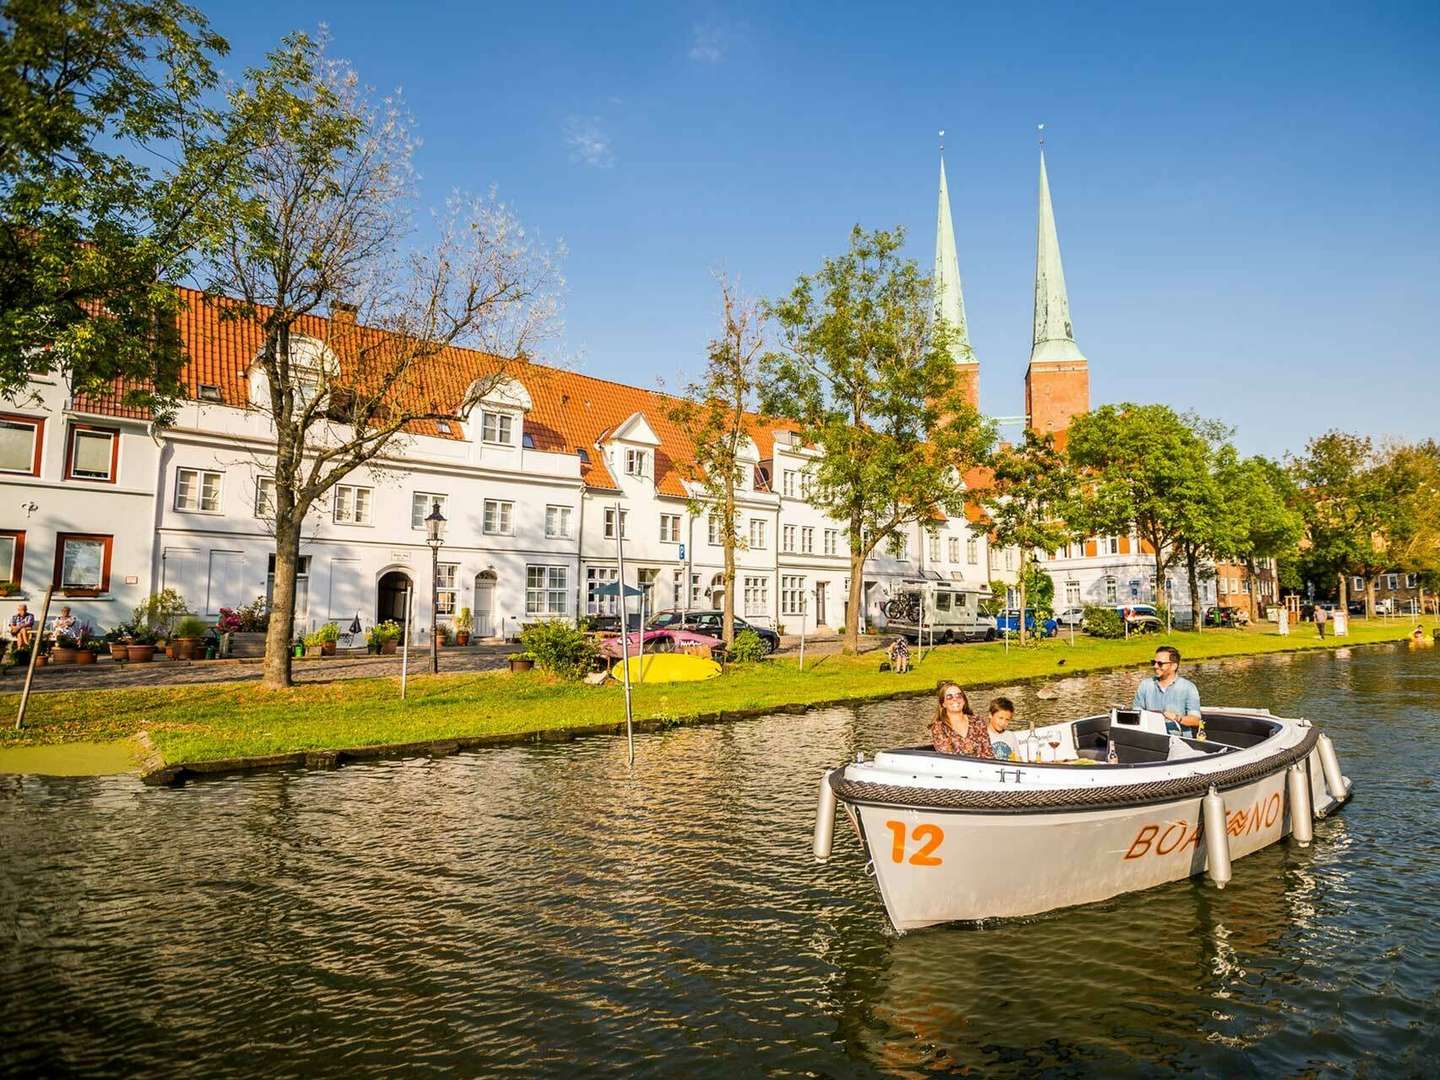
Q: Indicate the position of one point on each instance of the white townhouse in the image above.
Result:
(534, 481)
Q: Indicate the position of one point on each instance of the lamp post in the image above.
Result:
(434, 524)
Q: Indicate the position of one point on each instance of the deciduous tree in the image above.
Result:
(317, 222)
(867, 376)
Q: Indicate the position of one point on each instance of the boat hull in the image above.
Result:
(935, 865)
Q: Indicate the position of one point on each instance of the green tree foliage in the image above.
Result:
(97, 211)
(1257, 499)
(714, 413)
(869, 380)
(1032, 489)
(1347, 507)
(1412, 481)
(1143, 467)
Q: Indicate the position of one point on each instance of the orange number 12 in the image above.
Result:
(928, 836)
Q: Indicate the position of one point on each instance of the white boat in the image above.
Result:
(953, 838)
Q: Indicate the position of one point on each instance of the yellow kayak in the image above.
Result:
(669, 667)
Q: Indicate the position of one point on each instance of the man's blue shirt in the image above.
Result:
(1180, 697)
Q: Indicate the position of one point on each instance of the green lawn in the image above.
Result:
(200, 723)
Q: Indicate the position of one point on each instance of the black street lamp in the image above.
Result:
(434, 524)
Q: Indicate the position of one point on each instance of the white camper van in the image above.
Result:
(944, 611)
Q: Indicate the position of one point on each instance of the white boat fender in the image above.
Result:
(1217, 838)
(825, 819)
(1338, 784)
(1302, 817)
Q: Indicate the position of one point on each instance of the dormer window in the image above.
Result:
(442, 426)
(635, 463)
(527, 440)
(497, 428)
(583, 455)
(209, 392)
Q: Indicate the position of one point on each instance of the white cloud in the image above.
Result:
(588, 142)
(707, 43)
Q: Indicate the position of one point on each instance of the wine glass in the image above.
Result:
(1054, 740)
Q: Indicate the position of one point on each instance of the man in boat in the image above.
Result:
(1166, 692)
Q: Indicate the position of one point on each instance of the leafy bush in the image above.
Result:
(560, 648)
(748, 648)
(380, 633)
(190, 627)
(323, 635)
(159, 612)
(1103, 622)
(252, 618)
(464, 622)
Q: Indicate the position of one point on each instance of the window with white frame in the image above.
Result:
(899, 546)
(757, 596)
(972, 550)
(635, 464)
(807, 540)
(499, 517)
(678, 582)
(714, 533)
(645, 578)
(265, 497)
(934, 553)
(757, 533)
(546, 590)
(20, 445)
(1411, 580)
(1072, 594)
(791, 486)
(807, 484)
(1113, 544)
(497, 428)
(422, 503)
(1392, 582)
(832, 541)
(1358, 583)
(954, 547)
(792, 595)
(595, 578)
(197, 490)
(669, 528)
(557, 522)
(445, 574)
(610, 523)
(1111, 590)
(352, 505)
(787, 538)
(1009, 558)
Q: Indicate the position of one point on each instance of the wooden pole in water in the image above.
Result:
(34, 652)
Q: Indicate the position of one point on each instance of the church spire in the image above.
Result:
(1054, 336)
(949, 300)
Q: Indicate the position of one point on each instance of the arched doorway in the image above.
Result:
(717, 592)
(485, 604)
(390, 598)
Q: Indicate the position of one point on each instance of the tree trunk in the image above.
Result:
(1161, 596)
(1370, 596)
(1344, 595)
(1192, 576)
(1254, 580)
(857, 587)
(727, 617)
(278, 637)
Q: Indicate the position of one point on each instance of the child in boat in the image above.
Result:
(899, 654)
(1002, 711)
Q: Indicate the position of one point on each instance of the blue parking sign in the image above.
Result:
(682, 552)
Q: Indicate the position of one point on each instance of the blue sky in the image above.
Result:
(1245, 194)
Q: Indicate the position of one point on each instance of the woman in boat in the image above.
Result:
(956, 729)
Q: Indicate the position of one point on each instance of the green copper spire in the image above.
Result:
(949, 302)
(1054, 336)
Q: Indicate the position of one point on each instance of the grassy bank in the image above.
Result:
(204, 723)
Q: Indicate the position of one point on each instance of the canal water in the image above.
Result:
(541, 911)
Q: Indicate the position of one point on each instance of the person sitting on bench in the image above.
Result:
(22, 627)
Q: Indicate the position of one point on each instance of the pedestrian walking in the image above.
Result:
(1320, 616)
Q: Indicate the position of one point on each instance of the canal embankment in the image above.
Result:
(229, 727)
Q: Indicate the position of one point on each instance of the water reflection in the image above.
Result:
(520, 910)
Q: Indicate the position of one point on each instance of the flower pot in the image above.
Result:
(117, 650)
(388, 648)
(139, 654)
(187, 648)
(521, 663)
(62, 656)
(85, 656)
(462, 637)
(248, 643)
(40, 661)
(170, 650)
(327, 648)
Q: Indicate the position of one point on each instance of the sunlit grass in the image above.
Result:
(197, 723)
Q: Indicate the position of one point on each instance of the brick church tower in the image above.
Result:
(949, 300)
(1057, 382)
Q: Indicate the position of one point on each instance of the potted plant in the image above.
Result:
(463, 625)
(90, 646)
(382, 637)
(245, 626)
(9, 588)
(140, 648)
(322, 641)
(521, 661)
(187, 636)
(444, 635)
(115, 637)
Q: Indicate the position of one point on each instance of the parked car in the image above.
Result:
(1226, 616)
(1385, 606)
(1354, 607)
(1008, 622)
(610, 624)
(1073, 616)
(1139, 618)
(712, 623)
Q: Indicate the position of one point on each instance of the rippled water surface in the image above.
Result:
(542, 911)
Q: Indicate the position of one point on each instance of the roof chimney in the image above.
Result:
(342, 312)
